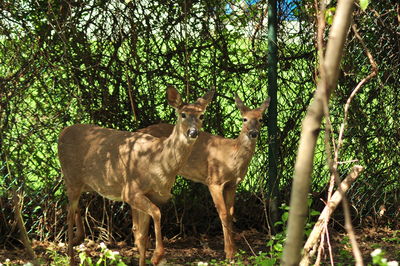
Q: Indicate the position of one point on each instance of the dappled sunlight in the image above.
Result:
(133, 167)
(221, 163)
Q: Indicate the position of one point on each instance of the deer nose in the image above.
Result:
(253, 134)
(192, 133)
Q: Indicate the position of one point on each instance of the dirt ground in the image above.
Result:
(191, 250)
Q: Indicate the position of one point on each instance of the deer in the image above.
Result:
(221, 163)
(134, 167)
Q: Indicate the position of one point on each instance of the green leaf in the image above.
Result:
(329, 13)
(314, 213)
(285, 216)
(364, 4)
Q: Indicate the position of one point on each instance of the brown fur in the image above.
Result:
(133, 167)
(221, 164)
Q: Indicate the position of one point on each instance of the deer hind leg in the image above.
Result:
(217, 194)
(79, 234)
(142, 203)
(141, 222)
(73, 208)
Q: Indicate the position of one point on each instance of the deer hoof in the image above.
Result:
(162, 262)
(157, 258)
(230, 255)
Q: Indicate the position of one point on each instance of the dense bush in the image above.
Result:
(108, 63)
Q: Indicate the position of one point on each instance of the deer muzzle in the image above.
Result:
(192, 133)
(253, 134)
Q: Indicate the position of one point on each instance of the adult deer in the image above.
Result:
(133, 167)
(221, 163)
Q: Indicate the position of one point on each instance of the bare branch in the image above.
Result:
(326, 213)
(310, 130)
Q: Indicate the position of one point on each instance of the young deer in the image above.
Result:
(133, 167)
(221, 163)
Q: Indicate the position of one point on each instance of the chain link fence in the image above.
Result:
(108, 63)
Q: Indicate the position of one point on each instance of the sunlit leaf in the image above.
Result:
(364, 4)
(329, 13)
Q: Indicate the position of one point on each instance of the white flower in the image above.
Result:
(200, 263)
(102, 245)
(81, 247)
(376, 252)
(393, 263)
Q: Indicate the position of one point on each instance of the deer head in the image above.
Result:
(190, 116)
(252, 118)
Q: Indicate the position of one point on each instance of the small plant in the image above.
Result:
(276, 243)
(7, 262)
(345, 253)
(379, 259)
(107, 257)
(395, 239)
(57, 258)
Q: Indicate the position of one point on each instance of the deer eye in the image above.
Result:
(183, 115)
(201, 117)
(260, 120)
(244, 119)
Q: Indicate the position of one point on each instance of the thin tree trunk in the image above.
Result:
(272, 112)
(310, 130)
(21, 226)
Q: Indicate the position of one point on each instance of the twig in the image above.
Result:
(334, 165)
(348, 225)
(330, 248)
(356, 89)
(325, 214)
(131, 100)
(248, 244)
(17, 202)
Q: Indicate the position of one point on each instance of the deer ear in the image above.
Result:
(264, 105)
(207, 98)
(173, 97)
(240, 105)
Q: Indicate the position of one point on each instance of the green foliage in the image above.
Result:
(378, 258)
(277, 241)
(242, 259)
(109, 62)
(394, 239)
(329, 14)
(364, 4)
(57, 258)
(345, 253)
(107, 257)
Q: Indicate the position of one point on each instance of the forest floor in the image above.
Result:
(191, 250)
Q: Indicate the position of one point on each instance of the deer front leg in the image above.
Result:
(229, 196)
(143, 204)
(141, 222)
(217, 194)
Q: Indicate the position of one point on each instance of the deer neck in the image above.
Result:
(245, 147)
(176, 151)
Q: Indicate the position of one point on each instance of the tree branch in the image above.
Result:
(310, 130)
(326, 213)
